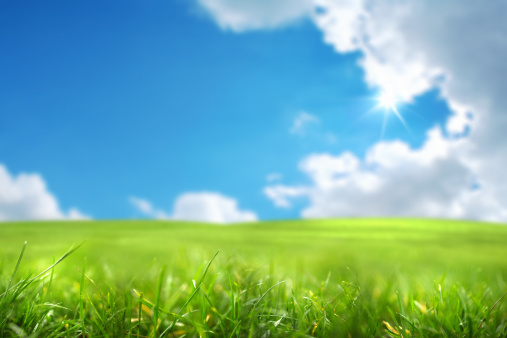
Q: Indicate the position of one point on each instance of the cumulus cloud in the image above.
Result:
(408, 48)
(244, 15)
(210, 207)
(392, 180)
(26, 197)
(457, 46)
(200, 207)
(302, 121)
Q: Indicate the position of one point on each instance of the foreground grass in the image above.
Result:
(353, 278)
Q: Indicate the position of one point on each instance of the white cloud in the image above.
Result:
(145, 207)
(302, 121)
(26, 197)
(75, 214)
(243, 15)
(210, 207)
(408, 48)
(281, 194)
(142, 205)
(325, 168)
(200, 207)
(459, 47)
(392, 180)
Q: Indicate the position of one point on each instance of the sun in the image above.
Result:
(387, 101)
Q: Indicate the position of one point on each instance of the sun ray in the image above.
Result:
(384, 123)
(398, 115)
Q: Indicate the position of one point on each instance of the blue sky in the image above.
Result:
(106, 101)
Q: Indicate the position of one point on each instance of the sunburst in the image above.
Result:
(389, 104)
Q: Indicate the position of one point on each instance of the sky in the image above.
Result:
(232, 111)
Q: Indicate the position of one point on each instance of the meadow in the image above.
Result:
(323, 278)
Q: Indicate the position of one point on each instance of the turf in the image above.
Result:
(348, 277)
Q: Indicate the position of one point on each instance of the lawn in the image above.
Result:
(347, 277)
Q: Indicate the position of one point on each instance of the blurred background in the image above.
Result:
(235, 111)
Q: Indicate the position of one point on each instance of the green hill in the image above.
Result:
(373, 270)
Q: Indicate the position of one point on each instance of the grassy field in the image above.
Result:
(327, 278)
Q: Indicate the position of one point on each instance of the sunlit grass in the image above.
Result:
(357, 278)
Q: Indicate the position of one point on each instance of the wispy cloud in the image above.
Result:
(302, 122)
(282, 195)
(145, 207)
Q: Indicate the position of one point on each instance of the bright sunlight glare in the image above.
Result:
(389, 102)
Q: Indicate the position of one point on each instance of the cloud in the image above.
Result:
(26, 197)
(244, 15)
(145, 207)
(210, 207)
(75, 214)
(408, 48)
(142, 205)
(302, 121)
(199, 207)
(457, 46)
(392, 180)
(281, 194)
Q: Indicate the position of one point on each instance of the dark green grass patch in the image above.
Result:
(327, 278)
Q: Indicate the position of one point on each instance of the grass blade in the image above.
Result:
(197, 287)
(263, 295)
(15, 269)
(157, 300)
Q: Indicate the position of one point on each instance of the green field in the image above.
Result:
(348, 277)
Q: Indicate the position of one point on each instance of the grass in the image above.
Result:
(326, 278)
